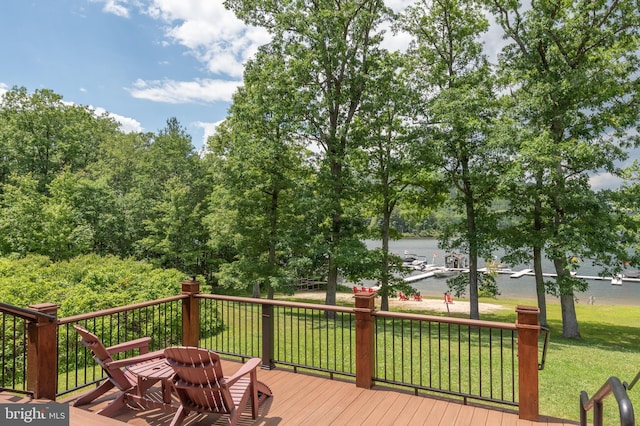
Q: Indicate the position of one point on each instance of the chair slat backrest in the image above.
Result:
(102, 357)
(199, 378)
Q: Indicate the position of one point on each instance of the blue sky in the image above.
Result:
(143, 61)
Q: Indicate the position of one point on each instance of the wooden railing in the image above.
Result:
(330, 339)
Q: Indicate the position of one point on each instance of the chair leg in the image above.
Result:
(255, 402)
(114, 406)
(234, 416)
(181, 414)
(90, 396)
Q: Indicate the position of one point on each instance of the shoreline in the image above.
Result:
(426, 304)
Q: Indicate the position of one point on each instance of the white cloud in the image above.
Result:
(115, 7)
(209, 129)
(176, 92)
(398, 41)
(3, 88)
(398, 5)
(127, 124)
(211, 33)
(604, 181)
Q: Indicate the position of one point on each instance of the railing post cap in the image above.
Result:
(365, 300)
(45, 308)
(527, 315)
(527, 309)
(190, 286)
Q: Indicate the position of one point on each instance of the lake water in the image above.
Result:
(601, 291)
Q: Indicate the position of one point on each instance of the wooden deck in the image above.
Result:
(305, 399)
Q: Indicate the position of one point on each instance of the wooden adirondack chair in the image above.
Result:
(117, 371)
(201, 386)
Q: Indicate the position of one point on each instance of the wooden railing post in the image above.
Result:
(191, 313)
(365, 343)
(267, 337)
(42, 353)
(528, 333)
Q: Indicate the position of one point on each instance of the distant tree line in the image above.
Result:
(333, 139)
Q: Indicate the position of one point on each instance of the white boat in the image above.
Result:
(444, 273)
(616, 280)
(631, 274)
(428, 267)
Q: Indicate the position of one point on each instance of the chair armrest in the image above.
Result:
(135, 359)
(141, 343)
(246, 368)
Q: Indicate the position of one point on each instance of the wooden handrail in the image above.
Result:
(272, 302)
(82, 317)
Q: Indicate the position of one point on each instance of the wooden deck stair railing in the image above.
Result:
(42, 345)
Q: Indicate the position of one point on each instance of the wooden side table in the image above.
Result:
(151, 372)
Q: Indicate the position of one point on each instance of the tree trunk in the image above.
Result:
(474, 309)
(273, 237)
(332, 267)
(569, 317)
(384, 272)
(537, 256)
(540, 289)
(332, 287)
(567, 303)
(336, 223)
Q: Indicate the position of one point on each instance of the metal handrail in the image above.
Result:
(24, 313)
(633, 382)
(544, 348)
(612, 385)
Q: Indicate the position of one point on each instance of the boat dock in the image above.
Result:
(414, 278)
(522, 273)
(584, 277)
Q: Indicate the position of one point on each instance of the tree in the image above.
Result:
(261, 172)
(120, 167)
(328, 46)
(391, 173)
(22, 218)
(33, 223)
(571, 70)
(173, 188)
(455, 80)
(42, 135)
